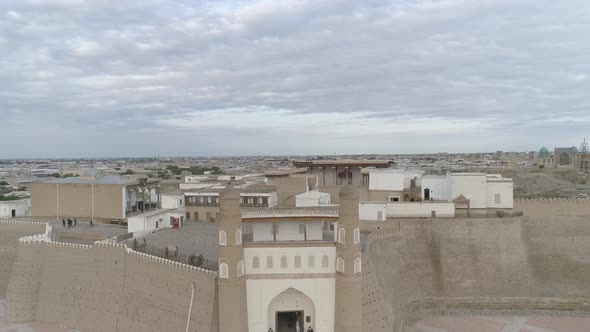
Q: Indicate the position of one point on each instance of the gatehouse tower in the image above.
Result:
(232, 281)
(348, 315)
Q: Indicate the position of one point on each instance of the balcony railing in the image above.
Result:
(290, 212)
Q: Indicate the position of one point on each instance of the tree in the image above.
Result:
(56, 175)
(3, 183)
(128, 172)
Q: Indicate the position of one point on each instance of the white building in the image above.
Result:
(312, 198)
(409, 193)
(155, 220)
(16, 208)
(172, 200)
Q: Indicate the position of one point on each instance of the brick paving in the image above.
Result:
(198, 238)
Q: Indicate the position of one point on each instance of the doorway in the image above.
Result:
(286, 321)
(426, 194)
(13, 213)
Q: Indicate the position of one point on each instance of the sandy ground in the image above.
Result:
(501, 324)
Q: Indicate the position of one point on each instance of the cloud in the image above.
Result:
(292, 76)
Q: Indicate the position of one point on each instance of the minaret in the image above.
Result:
(233, 314)
(348, 315)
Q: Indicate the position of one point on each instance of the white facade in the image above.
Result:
(314, 294)
(473, 187)
(376, 211)
(288, 231)
(17, 208)
(420, 209)
(440, 188)
(312, 198)
(379, 211)
(499, 194)
(172, 201)
(387, 179)
(484, 191)
(154, 220)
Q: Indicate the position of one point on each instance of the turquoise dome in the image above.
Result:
(544, 152)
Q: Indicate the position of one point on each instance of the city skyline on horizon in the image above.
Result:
(233, 78)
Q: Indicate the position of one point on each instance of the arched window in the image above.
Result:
(240, 268)
(297, 261)
(255, 262)
(341, 235)
(340, 265)
(238, 237)
(325, 261)
(223, 271)
(311, 261)
(222, 238)
(357, 265)
(357, 235)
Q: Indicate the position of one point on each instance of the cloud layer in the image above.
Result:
(83, 78)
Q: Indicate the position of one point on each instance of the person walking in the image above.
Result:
(75, 222)
(63, 223)
(309, 329)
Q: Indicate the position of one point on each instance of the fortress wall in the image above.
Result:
(157, 296)
(10, 232)
(547, 207)
(481, 258)
(106, 287)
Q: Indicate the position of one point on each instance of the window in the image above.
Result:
(301, 229)
(357, 235)
(357, 265)
(325, 261)
(340, 265)
(188, 215)
(341, 235)
(222, 238)
(298, 261)
(240, 268)
(255, 262)
(223, 271)
(394, 198)
(269, 262)
(209, 215)
(181, 202)
(498, 198)
(284, 262)
(311, 261)
(238, 236)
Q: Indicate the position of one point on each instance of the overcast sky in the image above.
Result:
(99, 78)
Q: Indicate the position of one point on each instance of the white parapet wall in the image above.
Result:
(379, 211)
(420, 209)
(375, 211)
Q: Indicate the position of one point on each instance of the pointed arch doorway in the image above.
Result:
(289, 308)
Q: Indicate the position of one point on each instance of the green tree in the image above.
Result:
(3, 183)
(128, 172)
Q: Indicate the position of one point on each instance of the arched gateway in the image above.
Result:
(280, 273)
(289, 308)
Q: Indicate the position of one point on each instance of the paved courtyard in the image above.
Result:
(198, 238)
(501, 324)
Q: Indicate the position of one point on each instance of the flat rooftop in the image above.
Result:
(359, 163)
(107, 179)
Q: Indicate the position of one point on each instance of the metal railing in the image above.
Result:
(290, 212)
(174, 255)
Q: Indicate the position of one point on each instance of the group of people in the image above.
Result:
(72, 223)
